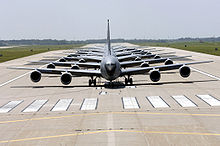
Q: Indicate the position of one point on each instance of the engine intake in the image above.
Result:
(51, 65)
(168, 61)
(82, 60)
(62, 60)
(155, 75)
(137, 58)
(35, 76)
(157, 57)
(144, 64)
(185, 71)
(66, 78)
(75, 67)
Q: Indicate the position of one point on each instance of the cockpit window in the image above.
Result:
(110, 67)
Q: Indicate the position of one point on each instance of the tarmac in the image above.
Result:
(174, 111)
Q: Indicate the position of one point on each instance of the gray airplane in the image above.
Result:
(110, 69)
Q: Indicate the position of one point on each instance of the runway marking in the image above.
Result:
(184, 101)
(9, 106)
(157, 101)
(209, 100)
(131, 87)
(89, 104)
(3, 84)
(207, 74)
(130, 103)
(107, 131)
(102, 93)
(35, 106)
(62, 105)
(103, 113)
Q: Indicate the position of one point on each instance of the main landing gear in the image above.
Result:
(92, 81)
(128, 80)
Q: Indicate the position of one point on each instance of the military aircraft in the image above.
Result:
(110, 69)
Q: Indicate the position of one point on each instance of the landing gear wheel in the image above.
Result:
(94, 82)
(131, 81)
(126, 81)
(90, 83)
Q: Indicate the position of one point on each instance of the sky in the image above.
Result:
(129, 19)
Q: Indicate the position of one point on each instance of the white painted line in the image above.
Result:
(130, 103)
(207, 74)
(3, 84)
(131, 86)
(209, 100)
(9, 106)
(35, 106)
(89, 104)
(102, 93)
(62, 105)
(157, 101)
(183, 101)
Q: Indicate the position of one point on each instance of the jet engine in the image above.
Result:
(51, 65)
(75, 67)
(144, 64)
(137, 58)
(155, 75)
(185, 71)
(35, 76)
(82, 60)
(66, 78)
(157, 57)
(168, 62)
(62, 60)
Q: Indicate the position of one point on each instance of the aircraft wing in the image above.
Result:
(121, 58)
(88, 58)
(80, 64)
(149, 61)
(144, 70)
(78, 72)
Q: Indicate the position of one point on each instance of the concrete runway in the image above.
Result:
(174, 111)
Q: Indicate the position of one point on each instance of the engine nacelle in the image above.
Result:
(51, 65)
(144, 64)
(155, 75)
(62, 60)
(157, 57)
(185, 71)
(168, 61)
(66, 78)
(82, 60)
(137, 58)
(75, 67)
(35, 76)
(70, 55)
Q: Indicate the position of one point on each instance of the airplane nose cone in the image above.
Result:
(110, 67)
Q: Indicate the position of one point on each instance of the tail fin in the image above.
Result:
(108, 39)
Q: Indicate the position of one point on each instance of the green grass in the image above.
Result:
(204, 47)
(18, 52)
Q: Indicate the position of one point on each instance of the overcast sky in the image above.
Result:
(129, 19)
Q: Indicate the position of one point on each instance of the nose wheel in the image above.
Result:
(128, 80)
(92, 82)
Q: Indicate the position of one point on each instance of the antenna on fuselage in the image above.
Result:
(108, 38)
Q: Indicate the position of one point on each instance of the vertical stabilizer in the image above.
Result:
(108, 39)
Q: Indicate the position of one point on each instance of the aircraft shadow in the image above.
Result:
(117, 85)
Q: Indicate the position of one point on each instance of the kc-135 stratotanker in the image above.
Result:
(110, 66)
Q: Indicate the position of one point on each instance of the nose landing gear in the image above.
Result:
(128, 80)
(92, 81)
